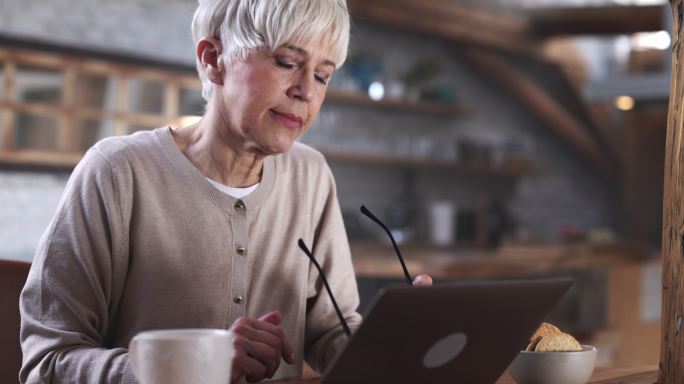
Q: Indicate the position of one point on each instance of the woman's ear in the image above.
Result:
(209, 56)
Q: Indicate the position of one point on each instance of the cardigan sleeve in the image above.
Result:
(325, 336)
(77, 274)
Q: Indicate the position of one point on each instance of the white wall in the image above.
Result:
(27, 203)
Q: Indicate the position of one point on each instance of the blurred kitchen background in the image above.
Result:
(498, 139)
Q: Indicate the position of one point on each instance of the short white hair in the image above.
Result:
(245, 25)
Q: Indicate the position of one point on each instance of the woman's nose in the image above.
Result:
(302, 87)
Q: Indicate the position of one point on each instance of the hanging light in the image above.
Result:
(624, 103)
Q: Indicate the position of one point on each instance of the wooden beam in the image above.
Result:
(543, 106)
(65, 137)
(463, 24)
(671, 319)
(43, 109)
(181, 76)
(171, 101)
(643, 131)
(59, 52)
(448, 10)
(8, 114)
(120, 126)
(617, 19)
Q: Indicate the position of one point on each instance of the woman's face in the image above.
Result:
(269, 99)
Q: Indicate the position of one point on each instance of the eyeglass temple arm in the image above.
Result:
(366, 212)
(327, 287)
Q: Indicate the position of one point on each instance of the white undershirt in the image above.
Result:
(237, 193)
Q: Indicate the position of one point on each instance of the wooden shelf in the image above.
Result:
(39, 158)
(375, 260)
(421, 163)
(422, 107)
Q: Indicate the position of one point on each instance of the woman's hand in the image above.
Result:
(259, 344)
(422, 280)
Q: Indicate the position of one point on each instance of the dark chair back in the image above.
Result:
(12, 279)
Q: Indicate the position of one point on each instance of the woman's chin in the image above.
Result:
(279, 147)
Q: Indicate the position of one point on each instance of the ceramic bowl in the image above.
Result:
(531, 367)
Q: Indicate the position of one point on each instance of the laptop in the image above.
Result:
(449, 333)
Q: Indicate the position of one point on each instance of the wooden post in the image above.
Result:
(672, 345)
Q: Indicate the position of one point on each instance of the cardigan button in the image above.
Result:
(237, 299)
(241, 251)
(239, 206)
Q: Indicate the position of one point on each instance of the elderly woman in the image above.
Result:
(198, 227)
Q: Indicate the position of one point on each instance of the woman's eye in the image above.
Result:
(321, 80)
(285, 64)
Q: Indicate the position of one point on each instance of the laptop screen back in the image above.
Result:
(456, 332)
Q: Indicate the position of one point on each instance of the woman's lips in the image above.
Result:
(288, 119)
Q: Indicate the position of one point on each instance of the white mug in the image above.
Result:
(182, 356)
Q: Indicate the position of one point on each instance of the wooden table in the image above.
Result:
(634, 375)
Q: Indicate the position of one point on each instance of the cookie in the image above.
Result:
(558, 342)
(544, 330)
(533, 343)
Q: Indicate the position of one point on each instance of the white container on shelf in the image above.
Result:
(442, 223)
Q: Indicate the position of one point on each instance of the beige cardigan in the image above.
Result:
(141, 240)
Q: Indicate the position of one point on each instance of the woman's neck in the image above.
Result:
(217, 154)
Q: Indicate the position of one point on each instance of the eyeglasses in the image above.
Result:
(302, 245)
(308, 253)
(368, 213)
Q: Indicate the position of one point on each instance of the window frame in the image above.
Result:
(121, 69)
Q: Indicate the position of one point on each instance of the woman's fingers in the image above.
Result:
(245, 365)
(261, 341)
(422, 280)
(270, 323)
(260, 345)
(274, 317)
